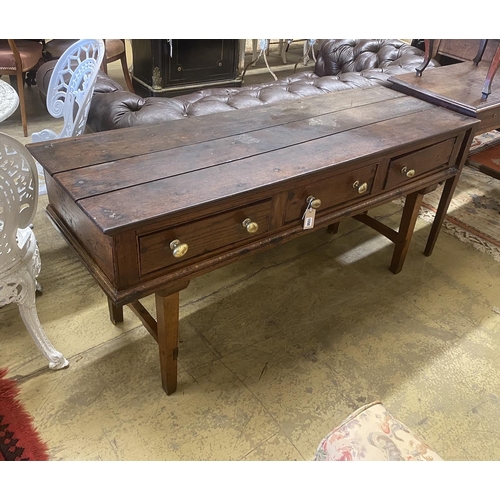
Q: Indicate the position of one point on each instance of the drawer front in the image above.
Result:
(410, 166)
(202, 236)
(333, 191)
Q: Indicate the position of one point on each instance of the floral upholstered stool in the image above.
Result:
(372, 433)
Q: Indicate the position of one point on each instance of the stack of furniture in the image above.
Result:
(341, 65)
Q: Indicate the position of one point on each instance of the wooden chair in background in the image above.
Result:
(17, 57)
(116, 50)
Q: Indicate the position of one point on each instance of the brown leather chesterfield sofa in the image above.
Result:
(340, 65)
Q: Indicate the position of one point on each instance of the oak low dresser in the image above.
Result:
(147, 209)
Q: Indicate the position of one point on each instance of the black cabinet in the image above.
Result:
(173, 67)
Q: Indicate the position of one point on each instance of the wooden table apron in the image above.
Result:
(120, 198)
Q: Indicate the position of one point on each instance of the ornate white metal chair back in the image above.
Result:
(19, 198)
(71, 88)
(19, 256)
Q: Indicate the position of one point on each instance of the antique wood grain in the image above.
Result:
(465, 49)
(111, 176)
(167, 310)
(457, 87)
(66, 154)
(112, 211)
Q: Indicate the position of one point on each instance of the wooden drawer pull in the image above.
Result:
(251, 227)
(408, 173)
(178, 249)
(360, 187)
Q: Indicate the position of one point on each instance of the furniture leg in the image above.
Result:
(104, 65)
(241, 57)
(444, 203)
(407, 224)
(480, 51)
(165, 330)
(283, 47)
(20, 91)
(167, 317)
(255, 41)
(334, 228)
(429, 50)
(115, 313)
(305, 53)
(126, 73)
(29, 315)
(491, 73)
(281, 50)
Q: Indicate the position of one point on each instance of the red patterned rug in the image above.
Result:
(18, 437)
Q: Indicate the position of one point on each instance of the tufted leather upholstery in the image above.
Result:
(341, 65)
(123, 109)
(342, 56)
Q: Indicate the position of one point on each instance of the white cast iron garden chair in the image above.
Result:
(71, 88)
(19, 257)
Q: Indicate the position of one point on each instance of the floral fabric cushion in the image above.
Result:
(372, 433)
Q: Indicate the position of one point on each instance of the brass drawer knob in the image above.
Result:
(408, 173)
(313, 202)
(361, 188)
(251, 227)
(178, 249)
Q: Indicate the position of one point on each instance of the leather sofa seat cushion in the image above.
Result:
(124, 109)
(342, 56)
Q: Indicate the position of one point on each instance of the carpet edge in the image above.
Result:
(32, 443)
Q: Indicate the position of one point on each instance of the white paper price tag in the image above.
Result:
(309, 216)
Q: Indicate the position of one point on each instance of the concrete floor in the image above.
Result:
(275, 350)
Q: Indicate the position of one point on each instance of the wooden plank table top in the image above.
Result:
(149, 208)
(180, 160)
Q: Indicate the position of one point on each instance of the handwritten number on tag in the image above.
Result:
(309, 216)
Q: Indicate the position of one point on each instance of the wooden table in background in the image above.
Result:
(149, 208)
(431, 48)
(457, 87)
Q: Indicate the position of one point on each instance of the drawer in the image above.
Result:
(202, 236)
(410, 166)
(333, 191)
